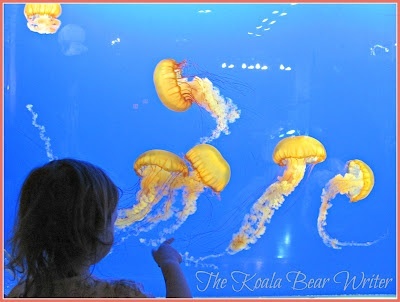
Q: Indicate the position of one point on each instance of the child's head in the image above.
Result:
(67, 209)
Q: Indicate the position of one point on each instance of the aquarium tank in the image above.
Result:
(261, 137)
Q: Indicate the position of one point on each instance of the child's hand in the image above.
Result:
(166, 253)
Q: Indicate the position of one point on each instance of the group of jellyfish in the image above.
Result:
(162, 173)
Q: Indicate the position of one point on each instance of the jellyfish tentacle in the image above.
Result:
(265, 207)
(190, 195)
(222, 110)
(153, 190)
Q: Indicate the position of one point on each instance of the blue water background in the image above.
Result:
(100, 105)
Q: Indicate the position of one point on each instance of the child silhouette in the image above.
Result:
(65, 224)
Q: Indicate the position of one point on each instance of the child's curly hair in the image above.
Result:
(65, 207)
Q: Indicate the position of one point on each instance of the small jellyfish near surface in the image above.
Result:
(71, 38)
(42, 17)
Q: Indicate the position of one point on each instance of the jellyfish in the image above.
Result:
(209, 170)
(42, 17)
(160, 171)
(71, 38)
(294, 153)
(357, 183)
(178, 93)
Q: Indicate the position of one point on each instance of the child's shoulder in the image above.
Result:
(120, 289)
(90, 288)
(17, 291)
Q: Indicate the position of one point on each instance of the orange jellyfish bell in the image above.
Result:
(213, 170)
(42, 17)
(163, 159)
(297, 151)
(360, 170)
(173, 90)
(299, 147)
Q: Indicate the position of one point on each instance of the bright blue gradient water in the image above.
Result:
(100, 105)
